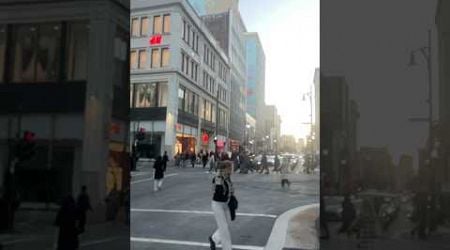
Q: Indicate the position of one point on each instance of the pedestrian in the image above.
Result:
(66, 220)
(325, 233)
(165, 159)
(159, 173)
(112, 204)
(212, 161)
(83, 205)
(193, 159)
(264, 164)
(223, 193)
(284, 170)
(348, 214)
(277, 164)
(205, 159)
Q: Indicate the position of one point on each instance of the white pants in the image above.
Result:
(157, 184)
(223, 219)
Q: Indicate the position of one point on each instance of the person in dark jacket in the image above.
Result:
(159, 173)
(193, 159)
(66, 220)
(348, 214)
(165, 159)
(205, 159)
(83, 205)
(223, 190)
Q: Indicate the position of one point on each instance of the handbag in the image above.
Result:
(233, 205)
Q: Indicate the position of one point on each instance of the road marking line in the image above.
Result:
(190, 243)
(149, 179)
(95, 242)
(198, 212)
(139, 174)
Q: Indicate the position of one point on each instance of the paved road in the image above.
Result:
(180, 217)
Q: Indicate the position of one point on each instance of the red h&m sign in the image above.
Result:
(155, 40)
(205, 138)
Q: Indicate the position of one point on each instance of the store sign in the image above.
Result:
(155, 40)
(178, 127)
(220, 143)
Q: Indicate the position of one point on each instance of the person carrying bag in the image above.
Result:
(224, 205)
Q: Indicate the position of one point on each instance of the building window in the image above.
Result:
(135, 27)
(162, 94)
(2, 52)
(142, 59)
(131, 95)
(144, 26)
(77, 51)
(183, 35)
(36, 52)
(145, 95)
(166, 25)
(165, 57)
(133, 59)
(157, 25)
(181, 97)
(156, 58)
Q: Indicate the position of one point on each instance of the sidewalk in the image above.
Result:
(34, 230)
(295, 229)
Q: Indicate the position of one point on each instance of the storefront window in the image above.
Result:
(162, 92)
(77, 51)
(48, 54)
(145, 95)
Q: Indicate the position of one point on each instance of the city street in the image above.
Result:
(180, 217)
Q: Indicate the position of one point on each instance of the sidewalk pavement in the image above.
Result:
(296, 229)
(34, 230)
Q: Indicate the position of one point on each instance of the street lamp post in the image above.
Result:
(427, 54)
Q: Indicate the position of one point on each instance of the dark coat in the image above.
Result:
(159, 170)
(66, 220)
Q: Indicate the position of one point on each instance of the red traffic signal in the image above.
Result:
(28, 136)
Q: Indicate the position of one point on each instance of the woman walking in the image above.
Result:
(211, 161)
(66, 220)
(223, 191)
(159, 173)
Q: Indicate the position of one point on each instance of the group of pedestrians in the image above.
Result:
(203, 157)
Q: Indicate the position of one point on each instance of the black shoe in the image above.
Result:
(212, 244)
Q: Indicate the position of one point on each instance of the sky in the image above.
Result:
(373, 53)
(289, 31)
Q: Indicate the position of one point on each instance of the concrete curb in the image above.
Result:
(280, 231)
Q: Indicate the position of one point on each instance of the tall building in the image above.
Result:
(338, 131)
(64, 76)
(316, 82)
(225, 23)
(272, 129)
(180, 80)
(255, 90)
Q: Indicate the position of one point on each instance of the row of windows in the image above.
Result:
(189, 66)
(222, 94)
(36, 55)
(159, 58)
(222, 72)
(190, 36)
(209, 111)
(139, 25)
(147, 95)
(209, 57)
(223, 118)
(188, 101)
(209, 83)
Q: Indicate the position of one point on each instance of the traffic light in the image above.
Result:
(26, 148)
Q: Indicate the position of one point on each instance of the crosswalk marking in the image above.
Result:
(198, 212)
(189, 243)
(141, 173)
(149, 179)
